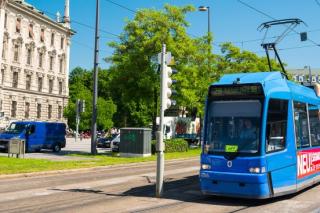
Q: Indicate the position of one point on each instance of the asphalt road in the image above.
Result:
(131, 189)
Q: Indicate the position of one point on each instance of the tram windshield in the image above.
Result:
(233, 126)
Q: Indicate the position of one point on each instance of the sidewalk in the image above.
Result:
(72, 147)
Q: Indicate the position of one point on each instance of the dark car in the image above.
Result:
(104, 142)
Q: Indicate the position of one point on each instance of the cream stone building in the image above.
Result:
(34, 63)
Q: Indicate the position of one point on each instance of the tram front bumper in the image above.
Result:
(244, 185)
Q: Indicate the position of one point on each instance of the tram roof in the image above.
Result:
(274, 85)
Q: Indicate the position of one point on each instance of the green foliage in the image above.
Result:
(129, 90)
(172, 145)
(233, 60)
(135, 79)
(133, 73)
(81, 88)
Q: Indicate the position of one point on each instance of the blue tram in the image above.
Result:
(261, 136)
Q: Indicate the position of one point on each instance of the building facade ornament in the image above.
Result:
(15, 69)
(52, 53)
(51, 77)
(17, 41)
(28, 72)
(42, 49)
(31, 45)
(40, 74)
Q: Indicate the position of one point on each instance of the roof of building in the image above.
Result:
(30, 8)
(304, 71)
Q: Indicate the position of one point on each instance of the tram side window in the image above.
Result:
(301, 124)
(314, 119)
(277, 125)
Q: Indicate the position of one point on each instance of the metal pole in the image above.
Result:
(265, 46)
(209, 24)
(95, 85)
(77, 119)
(310, 75)
(160, 144)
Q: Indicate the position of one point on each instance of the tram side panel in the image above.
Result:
(281, 163)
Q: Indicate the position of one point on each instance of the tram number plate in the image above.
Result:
(231, 148)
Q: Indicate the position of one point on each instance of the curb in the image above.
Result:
(96, 168)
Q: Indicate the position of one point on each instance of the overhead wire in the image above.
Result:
(269, 16)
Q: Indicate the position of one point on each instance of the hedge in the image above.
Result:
(172, 145)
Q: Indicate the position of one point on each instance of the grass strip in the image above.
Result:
(16, 166)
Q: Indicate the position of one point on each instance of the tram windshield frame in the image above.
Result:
(234, 120)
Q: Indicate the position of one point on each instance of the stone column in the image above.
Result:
(2, 15)
(67, 67)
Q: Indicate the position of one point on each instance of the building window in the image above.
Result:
(18, 25)
(51, 59)
(29, 53)
(5, 20)
(59, 112)
(4, 47)
(31, 34)
(27, 110)
(49, 111)
(60, 88)
(62, 43)
(42, 35)
(61, 65)
(13, 109)
(301, 78)
(40, 60)
(28, 82)
(2, 76)
(50, 85)
(40, 82)
(39, 111)
(15, 77)
(52, 39)
(16, 53)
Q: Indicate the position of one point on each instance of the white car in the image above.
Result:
(115, 143)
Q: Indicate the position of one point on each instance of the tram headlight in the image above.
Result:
(257, 170)
(205, 167)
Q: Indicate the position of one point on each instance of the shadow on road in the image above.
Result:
(186, 190)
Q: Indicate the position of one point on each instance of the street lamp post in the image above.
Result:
(95, 83)
(204, 9)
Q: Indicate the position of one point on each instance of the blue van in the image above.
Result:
(38, 135)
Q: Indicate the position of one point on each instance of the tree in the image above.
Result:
(134, 76)
(81, 88)
(233, 60)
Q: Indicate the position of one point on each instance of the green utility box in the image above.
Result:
(135, 142)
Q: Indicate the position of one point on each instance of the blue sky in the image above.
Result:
(230, 21)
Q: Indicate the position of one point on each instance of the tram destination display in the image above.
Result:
(238, 90)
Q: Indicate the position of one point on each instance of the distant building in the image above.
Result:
(34, 63)
(302, 75)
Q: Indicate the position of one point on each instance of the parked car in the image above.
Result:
(104, 142)
(37, 135)
(115, 143)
